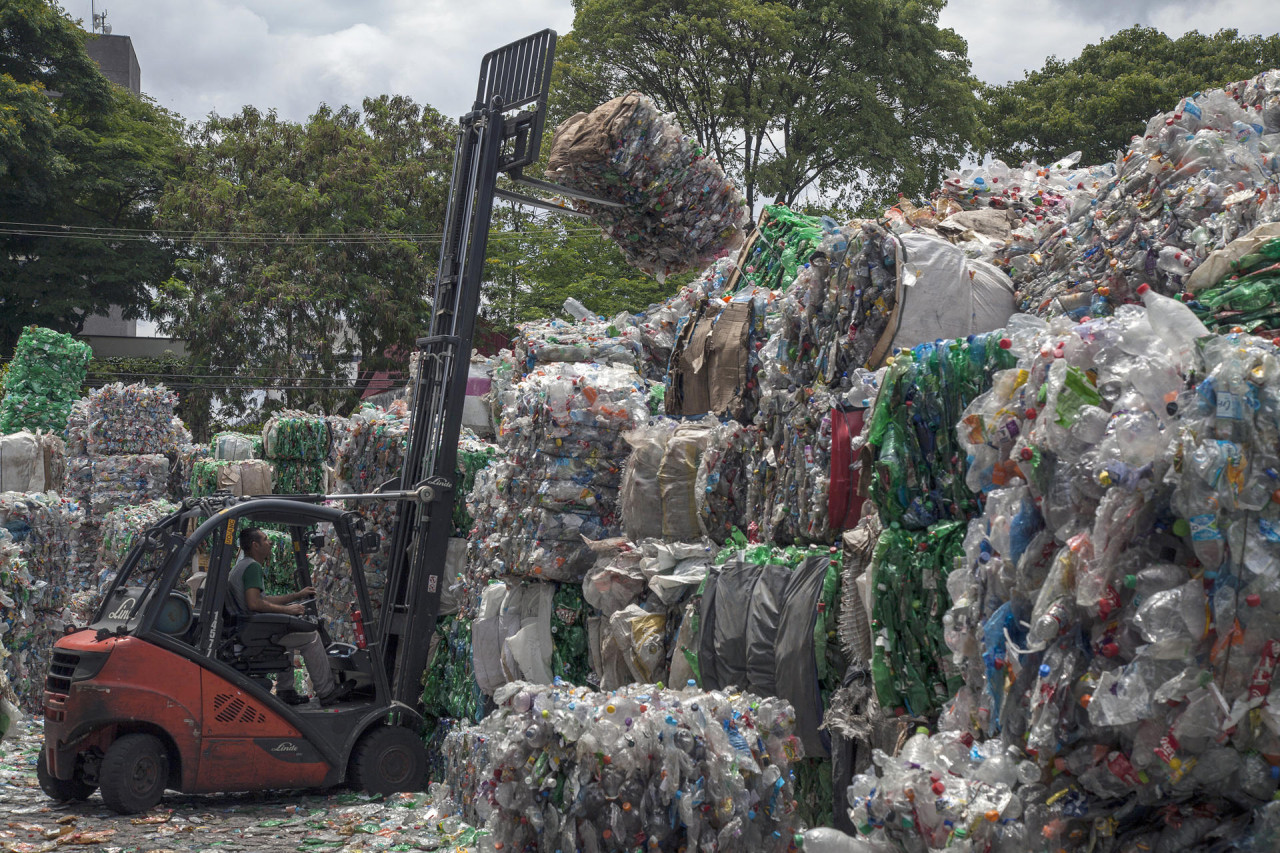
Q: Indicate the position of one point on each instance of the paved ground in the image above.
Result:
(30, 821)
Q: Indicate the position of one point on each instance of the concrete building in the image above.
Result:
(115, 56)
(110, 335)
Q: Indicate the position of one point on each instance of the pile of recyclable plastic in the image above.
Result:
(561, 767)
(679, 210)
(31, 462)
(562, 431)
(638, 593)
(1086, 238)
(15, 591)
(43, 380)
(1247, 298)
(659, 325)
(121, 529)
(43, 528)
(126, 481)
(297, 445)
(242, 478)
(1114, 614)
(917, 463)
(588, 338)
(732, 480)
(129, 420)
(235, 446)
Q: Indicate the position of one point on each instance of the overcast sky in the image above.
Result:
(201, 56)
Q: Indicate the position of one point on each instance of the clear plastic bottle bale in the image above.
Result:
(563, 767)
(679, 210)
(131, 420)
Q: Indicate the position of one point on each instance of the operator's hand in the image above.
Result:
(309, 592)
(295, 609)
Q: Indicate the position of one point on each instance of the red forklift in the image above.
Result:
(167, 690)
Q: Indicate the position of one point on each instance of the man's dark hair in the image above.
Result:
(250, 535)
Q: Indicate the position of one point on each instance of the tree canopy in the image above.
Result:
(81, 155)
(313, 243)
(1096, 102)
(852, 98)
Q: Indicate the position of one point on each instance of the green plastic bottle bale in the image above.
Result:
(299, 477)
(204, 476)
(911, 666)
(48, 364)
(296, 436)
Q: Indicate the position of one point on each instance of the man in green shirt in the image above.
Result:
(244, 588)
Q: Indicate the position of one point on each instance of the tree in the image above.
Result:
(77, 155)
(844, 97)
(536, 262)
(312, 244)
(1096, 102)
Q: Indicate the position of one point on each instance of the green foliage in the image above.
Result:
(1096, 102)
(846, 97)
(536, 262)
(357, 190)
(74, 151)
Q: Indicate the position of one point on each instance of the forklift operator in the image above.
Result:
(244, 586)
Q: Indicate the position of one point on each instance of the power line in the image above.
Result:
(71, 232)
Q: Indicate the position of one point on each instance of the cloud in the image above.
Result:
(203, 56)
(1007, 38)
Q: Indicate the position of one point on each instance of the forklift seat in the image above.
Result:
(253, 646)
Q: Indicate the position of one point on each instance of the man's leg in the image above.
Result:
(308, 642)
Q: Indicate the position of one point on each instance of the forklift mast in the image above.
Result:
(502, 134)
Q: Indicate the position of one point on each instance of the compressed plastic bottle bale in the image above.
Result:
(677, 481)
(122, 527)
(21, 463)
(77, 428)
(299, 477)
(641, 497)
(43, 380)
(296, 436)
(235, 446)
(129, 420)
(679, 209)
(532, 767)
(127, 480)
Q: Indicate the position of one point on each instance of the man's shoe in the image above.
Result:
(292, 697)
(339, 693)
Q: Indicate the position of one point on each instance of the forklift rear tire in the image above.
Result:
(134, 773)
(389, 759)
(74, 789)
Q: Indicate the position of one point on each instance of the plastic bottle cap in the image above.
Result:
(1005, 343)
(1045, 670)
(1253, 599)
(1130, 581)
(939, 788)
(1143, 288)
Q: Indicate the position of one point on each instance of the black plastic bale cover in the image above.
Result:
(756, 634)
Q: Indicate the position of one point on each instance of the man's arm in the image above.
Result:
(259, 603)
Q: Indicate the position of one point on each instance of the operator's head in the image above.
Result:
(251, 539)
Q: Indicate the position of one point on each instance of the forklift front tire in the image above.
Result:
(134, 773)
(389, 759)
(74, 789)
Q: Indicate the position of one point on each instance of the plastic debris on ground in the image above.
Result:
(43, 380)
(679, 211)
(561, 767)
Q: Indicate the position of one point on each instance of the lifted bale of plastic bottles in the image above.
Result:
(561, 767)
(43, 380)
(679, 210)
